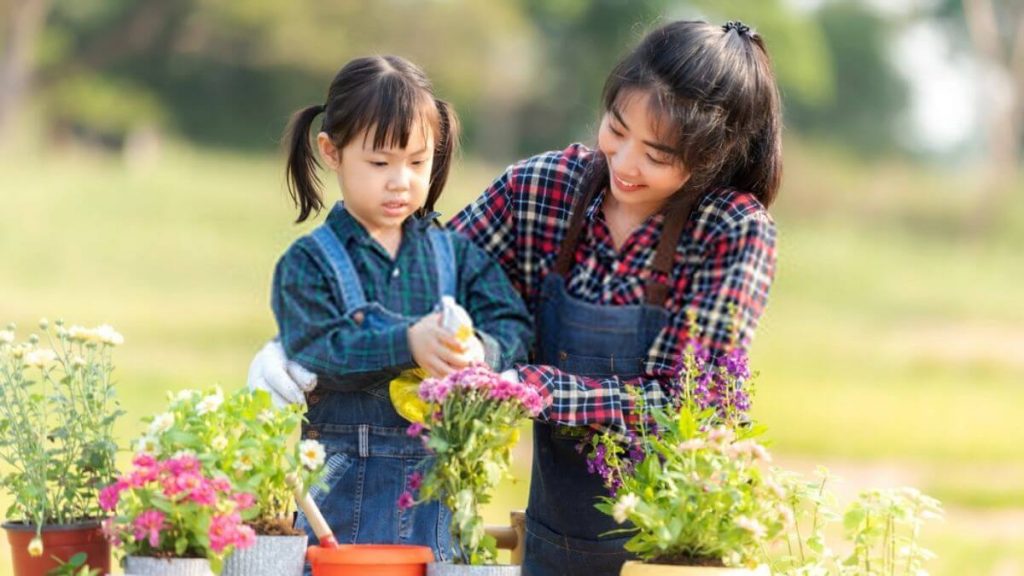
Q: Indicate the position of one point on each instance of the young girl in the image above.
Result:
(614, 248)
(355, 300)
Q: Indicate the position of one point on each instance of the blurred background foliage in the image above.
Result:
(141, 185)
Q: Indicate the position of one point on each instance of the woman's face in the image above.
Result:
(644, 172)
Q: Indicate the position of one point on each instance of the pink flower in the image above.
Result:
(111, 531)
(221, 484)
(244, 500)
(148, 525)
(415, 481)
(224, 531)
(246, 537)
(144, 460)
(406, 501)
(110, 496)
(204, 495)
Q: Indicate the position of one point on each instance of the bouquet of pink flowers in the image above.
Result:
(471, 426)
(168, 508)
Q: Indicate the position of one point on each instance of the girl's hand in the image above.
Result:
(434, 348)
(286, 381)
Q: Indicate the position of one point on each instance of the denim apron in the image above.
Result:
(369, 454)
(563, 529)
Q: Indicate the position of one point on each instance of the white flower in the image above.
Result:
(6, 336)
(244, 463)
(266, 417)
(219, 443)
(79, 333)
(40, 357)
(147, 445)
(624, 507)
(161, 423)
(210, 403)
(35, 547)
(693, 444)
(106, 334)
(311, 454)
(183, 396)
(751, 525)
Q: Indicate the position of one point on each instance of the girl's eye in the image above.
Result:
(378, 163)
(418, 162)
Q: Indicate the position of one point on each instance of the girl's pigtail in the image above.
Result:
(444, 152)
(303, 181)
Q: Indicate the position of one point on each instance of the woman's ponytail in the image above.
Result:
(303, 181)
(444, 152)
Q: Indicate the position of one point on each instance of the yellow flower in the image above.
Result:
(35, 547)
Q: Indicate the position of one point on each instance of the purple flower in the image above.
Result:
(414, 430)
(415, 480)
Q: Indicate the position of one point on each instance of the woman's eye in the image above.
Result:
(614, 131)
(658, 161)
(378, 163)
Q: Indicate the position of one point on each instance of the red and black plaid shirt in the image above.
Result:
(723, 269)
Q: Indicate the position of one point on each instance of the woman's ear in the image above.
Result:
(328, 151)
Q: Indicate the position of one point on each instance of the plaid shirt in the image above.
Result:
(724, 266)
(317, 334)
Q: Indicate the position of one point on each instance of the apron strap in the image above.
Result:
(657, 288)
(676, 216)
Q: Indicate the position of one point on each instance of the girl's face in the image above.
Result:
(382, 187)
(644, 172)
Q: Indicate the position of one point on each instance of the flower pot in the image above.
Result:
(60, 540)
(370, 560)
(147, 566)
(449, 569)
(270, 556)
(633, 568)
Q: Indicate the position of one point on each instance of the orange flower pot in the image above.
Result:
(62, 541)
(370, 560)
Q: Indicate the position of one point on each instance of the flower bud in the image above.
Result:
(44, 324)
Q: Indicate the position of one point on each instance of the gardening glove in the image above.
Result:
(404, 390)
(286, 381)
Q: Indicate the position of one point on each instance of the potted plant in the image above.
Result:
(691, 483)
(470, 428)
(57, 413)
(248, 440)
(171, 519)
(882, 528)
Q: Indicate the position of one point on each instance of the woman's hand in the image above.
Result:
(286, 381)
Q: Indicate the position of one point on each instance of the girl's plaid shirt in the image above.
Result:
(723, 269)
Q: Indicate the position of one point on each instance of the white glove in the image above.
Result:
(456, 320)
(286, 381)
(512, 375)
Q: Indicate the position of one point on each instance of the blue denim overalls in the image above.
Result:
(563, 527)
(369, 455)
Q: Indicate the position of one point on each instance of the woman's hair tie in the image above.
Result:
(740, 28)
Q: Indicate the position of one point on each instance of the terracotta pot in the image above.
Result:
(449, 569)
(633, 568)
(370, 560)
(269, 556)
(147, 566)
(60, 540)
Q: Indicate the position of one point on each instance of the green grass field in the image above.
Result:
(893, 343)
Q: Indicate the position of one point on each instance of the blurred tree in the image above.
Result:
(994, 30)
(863, 111)
(22, 24)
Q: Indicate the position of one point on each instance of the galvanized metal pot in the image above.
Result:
(146, 566)
(270, 556)
(449, 569)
